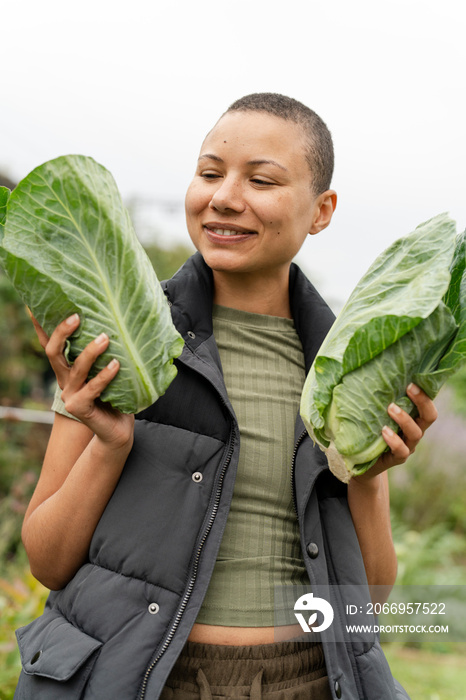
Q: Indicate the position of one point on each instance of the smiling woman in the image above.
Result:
(166, 535)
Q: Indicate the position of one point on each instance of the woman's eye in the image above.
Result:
(259, 181)
(210, 176)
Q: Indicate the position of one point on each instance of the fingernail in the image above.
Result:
(387, 430)
(101, 339)
(394, 408)
(112, 364)
(72, 319)
(414, 389)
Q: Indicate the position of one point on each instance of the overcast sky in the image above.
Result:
(137, 85)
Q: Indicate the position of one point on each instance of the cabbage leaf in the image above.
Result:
(68, 245)
(404, 322)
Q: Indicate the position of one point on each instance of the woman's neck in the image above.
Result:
(260, 295)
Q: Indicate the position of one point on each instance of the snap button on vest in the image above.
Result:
(153, 608)
(197, 477)
(191, 335)
(312, 550)
(337, 689)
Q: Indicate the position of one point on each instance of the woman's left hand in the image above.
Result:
(412, 429)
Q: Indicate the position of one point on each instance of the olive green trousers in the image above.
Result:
(280, 671)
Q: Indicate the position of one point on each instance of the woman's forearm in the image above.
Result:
(370, 509)
(57, 532)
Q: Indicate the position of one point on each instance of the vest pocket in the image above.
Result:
(57, 659)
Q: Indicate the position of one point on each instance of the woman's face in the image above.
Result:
(251, 204)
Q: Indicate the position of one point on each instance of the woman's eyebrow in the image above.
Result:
(257, 161)
(211, 156)
(265, 161)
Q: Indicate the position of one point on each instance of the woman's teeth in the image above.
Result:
(228, 232)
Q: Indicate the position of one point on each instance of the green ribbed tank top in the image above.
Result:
(264, 371)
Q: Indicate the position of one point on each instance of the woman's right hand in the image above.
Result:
(81, 394)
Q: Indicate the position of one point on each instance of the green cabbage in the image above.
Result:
(404, 322)
(68, 245)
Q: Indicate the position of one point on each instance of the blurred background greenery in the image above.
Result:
(428, 501)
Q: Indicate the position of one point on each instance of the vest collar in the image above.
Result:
(190, 293)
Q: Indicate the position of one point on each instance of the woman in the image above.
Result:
(165, 566)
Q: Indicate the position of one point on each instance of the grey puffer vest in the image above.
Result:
(117, 628)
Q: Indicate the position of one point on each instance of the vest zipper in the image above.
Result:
(293, 464)
(192, 580)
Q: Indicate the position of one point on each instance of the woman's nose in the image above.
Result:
(228, 196)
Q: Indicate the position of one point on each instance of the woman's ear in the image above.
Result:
(324, 207)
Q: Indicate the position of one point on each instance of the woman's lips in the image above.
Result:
(229, 235)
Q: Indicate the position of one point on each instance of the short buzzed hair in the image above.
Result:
(320, 155)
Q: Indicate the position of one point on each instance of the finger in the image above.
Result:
(41, 334)
(399, 450)
(96, 386)
(82, 365)
(426, 407)
(56, 345)
(411, 430)
(57, 340)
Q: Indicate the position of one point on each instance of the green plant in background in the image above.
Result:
(22, 447)
(434, 556)
(12, 509)
(23, 366)
(458, 387)
(426, 675)
(431, 489)
(22, 599)
(167, 261)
